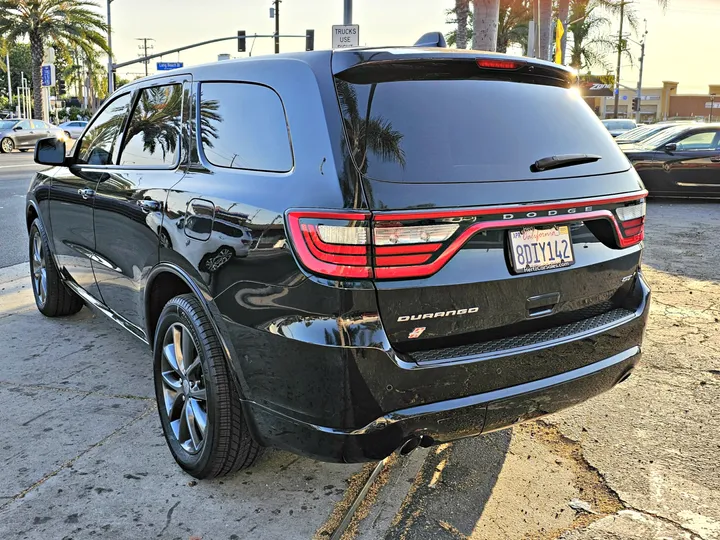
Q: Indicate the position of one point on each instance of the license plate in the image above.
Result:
(534, 249)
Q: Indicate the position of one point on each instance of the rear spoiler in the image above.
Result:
(431, 39)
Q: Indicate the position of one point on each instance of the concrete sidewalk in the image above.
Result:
(83, 453)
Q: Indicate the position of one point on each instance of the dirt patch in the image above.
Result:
(588, 482)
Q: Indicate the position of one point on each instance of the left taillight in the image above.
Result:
(631, 219)
(333, 244)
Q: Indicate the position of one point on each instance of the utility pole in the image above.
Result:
(277, 26)
(145, 47)
(111, 82)
(347, 14)
(619, 59)
(639, 88)
(712, 105)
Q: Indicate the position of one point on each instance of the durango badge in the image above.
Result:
(451, 313)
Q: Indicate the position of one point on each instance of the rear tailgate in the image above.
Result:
(445, 147)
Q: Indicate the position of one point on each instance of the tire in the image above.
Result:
(6, 145)
(52, 297)
(205, 390)
(67, 134)
(24, 149)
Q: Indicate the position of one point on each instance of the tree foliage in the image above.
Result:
(64, 24)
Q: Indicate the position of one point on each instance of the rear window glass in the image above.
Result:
(470, 130)
(243, 126)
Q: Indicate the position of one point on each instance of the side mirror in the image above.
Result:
(670, 147)
(50, 151)
(17, 128)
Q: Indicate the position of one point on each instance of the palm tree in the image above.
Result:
(545, 19)
(485, 24)
(513, 23)
(62, 23)
(462, 14)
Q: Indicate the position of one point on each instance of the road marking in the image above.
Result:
(18, 166)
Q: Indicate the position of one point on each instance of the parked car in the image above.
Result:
(402, 287)
(74, 128)
(641, 133)
(683, 161)
(617, 126)
(23, 134)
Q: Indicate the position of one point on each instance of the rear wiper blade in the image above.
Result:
(564, 160)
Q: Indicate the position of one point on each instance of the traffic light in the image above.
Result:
(310, 40)
(61, 88)
(636, 104)
(241, 40)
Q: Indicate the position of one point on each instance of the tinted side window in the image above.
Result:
(243, 126)
(153, 134)
(96, 147)
(24, 125)
(39, 124)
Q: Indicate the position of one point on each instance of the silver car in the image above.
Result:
(23, 134)
(73, 129)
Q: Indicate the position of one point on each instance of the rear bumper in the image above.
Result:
(446, 420)
(522, 385)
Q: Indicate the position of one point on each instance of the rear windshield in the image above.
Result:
(619, 124)
(445, 131)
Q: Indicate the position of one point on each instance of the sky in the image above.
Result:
(681, 40)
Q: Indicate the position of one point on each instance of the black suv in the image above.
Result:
(342, 253)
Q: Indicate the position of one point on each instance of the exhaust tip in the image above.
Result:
(409, 445)
(625, 376)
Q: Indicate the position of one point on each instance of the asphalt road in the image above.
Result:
(16, 170)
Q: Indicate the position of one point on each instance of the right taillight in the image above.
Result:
(632, 223)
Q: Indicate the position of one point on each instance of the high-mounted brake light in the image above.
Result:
(489, 63)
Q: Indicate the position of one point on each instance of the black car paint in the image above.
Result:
(314, 358)
(679, 173)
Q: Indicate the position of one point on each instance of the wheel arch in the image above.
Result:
(174, 280)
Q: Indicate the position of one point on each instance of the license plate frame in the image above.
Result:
(544, 245)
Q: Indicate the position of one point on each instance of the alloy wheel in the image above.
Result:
(39, 269)
(7, 145)
(184, 391)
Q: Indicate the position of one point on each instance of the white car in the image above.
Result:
(73, 129)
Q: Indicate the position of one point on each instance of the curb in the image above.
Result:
(15, 272)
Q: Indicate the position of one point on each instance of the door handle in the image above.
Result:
(148, 205)
(86, 193)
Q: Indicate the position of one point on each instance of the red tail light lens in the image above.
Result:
(632, 223)
(414, 244)
(333, 244)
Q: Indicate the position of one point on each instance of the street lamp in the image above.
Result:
(712, 105)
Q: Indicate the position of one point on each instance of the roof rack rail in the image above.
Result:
(431, 39)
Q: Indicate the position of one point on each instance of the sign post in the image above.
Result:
(165, 66)
(345, 35)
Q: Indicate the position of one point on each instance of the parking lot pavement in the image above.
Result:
(83, 455)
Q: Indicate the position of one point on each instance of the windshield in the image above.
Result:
(407, 131)
(635, 134)
(661, 138)
(619, 124)
(7, 124)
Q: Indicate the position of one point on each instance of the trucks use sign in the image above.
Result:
(345, 35)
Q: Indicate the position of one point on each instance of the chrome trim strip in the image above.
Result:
(93, 302)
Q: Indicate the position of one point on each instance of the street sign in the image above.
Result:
(47, 72)
(624, 98)
(164, 66)
(345, 35)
